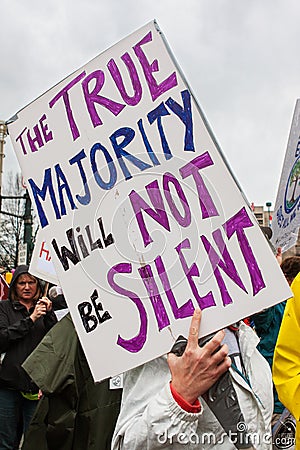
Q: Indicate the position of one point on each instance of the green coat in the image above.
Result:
(75, 413)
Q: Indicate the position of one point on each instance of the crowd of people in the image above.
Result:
(233, 389)
(25, 318)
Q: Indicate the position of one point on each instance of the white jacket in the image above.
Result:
(150, 418)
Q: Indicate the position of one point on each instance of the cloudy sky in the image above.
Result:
(240, 57)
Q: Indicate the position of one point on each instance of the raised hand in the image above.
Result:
(198, 368)
(41, 308)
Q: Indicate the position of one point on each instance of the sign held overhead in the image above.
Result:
(286, 221)
(142, 216)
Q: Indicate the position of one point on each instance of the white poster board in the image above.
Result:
(144, 219)
(41, 264)
(22, 255)
(286, 218)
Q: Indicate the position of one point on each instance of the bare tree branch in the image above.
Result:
(12, 221)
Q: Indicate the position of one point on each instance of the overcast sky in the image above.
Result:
(240, 57)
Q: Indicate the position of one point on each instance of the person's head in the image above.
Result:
(290, 268)
(24, 287)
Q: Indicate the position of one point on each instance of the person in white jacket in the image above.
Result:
(163, 403)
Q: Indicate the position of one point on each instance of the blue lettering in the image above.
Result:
(150, 152)
(41, 193)
(185, 115)
(111, 166)
(128, 134)
(86, 198)
(157, 114)
(62, 185)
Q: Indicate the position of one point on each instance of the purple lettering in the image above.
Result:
(35, 136)
(185, 219)
(48, 136)
(207, 205)
(227, 265)
(136, 84)
(135, 344)
(159, 214)
(21, 141)
(236, 224)
(37, 139)
(92, 97)
(65, 95)
(187, 309)
(148, 68)
(155, 298)
(192, 271)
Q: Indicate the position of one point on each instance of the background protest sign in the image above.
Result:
(41, 264)
(4, 288)
(143, 218)
(286, 220)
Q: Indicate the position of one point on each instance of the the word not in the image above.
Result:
(157, 210)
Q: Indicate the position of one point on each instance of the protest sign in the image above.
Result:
(4, 288)
(138, 206)
(286, 218)
(22, 256)
(41, 264)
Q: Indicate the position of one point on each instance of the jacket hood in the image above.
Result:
(20, 270)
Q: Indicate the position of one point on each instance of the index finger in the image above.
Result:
(194, 328)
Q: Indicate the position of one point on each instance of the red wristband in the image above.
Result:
(188, 407)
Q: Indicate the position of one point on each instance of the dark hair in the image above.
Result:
(290, 267)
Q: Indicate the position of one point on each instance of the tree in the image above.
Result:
(12, 220)
(294, 178)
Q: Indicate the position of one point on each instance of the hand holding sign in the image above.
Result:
(199, 367)
(40, 310)
(42, 307)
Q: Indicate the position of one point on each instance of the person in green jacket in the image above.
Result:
(74, 413)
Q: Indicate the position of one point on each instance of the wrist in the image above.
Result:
(191, 407)
(184, 390)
